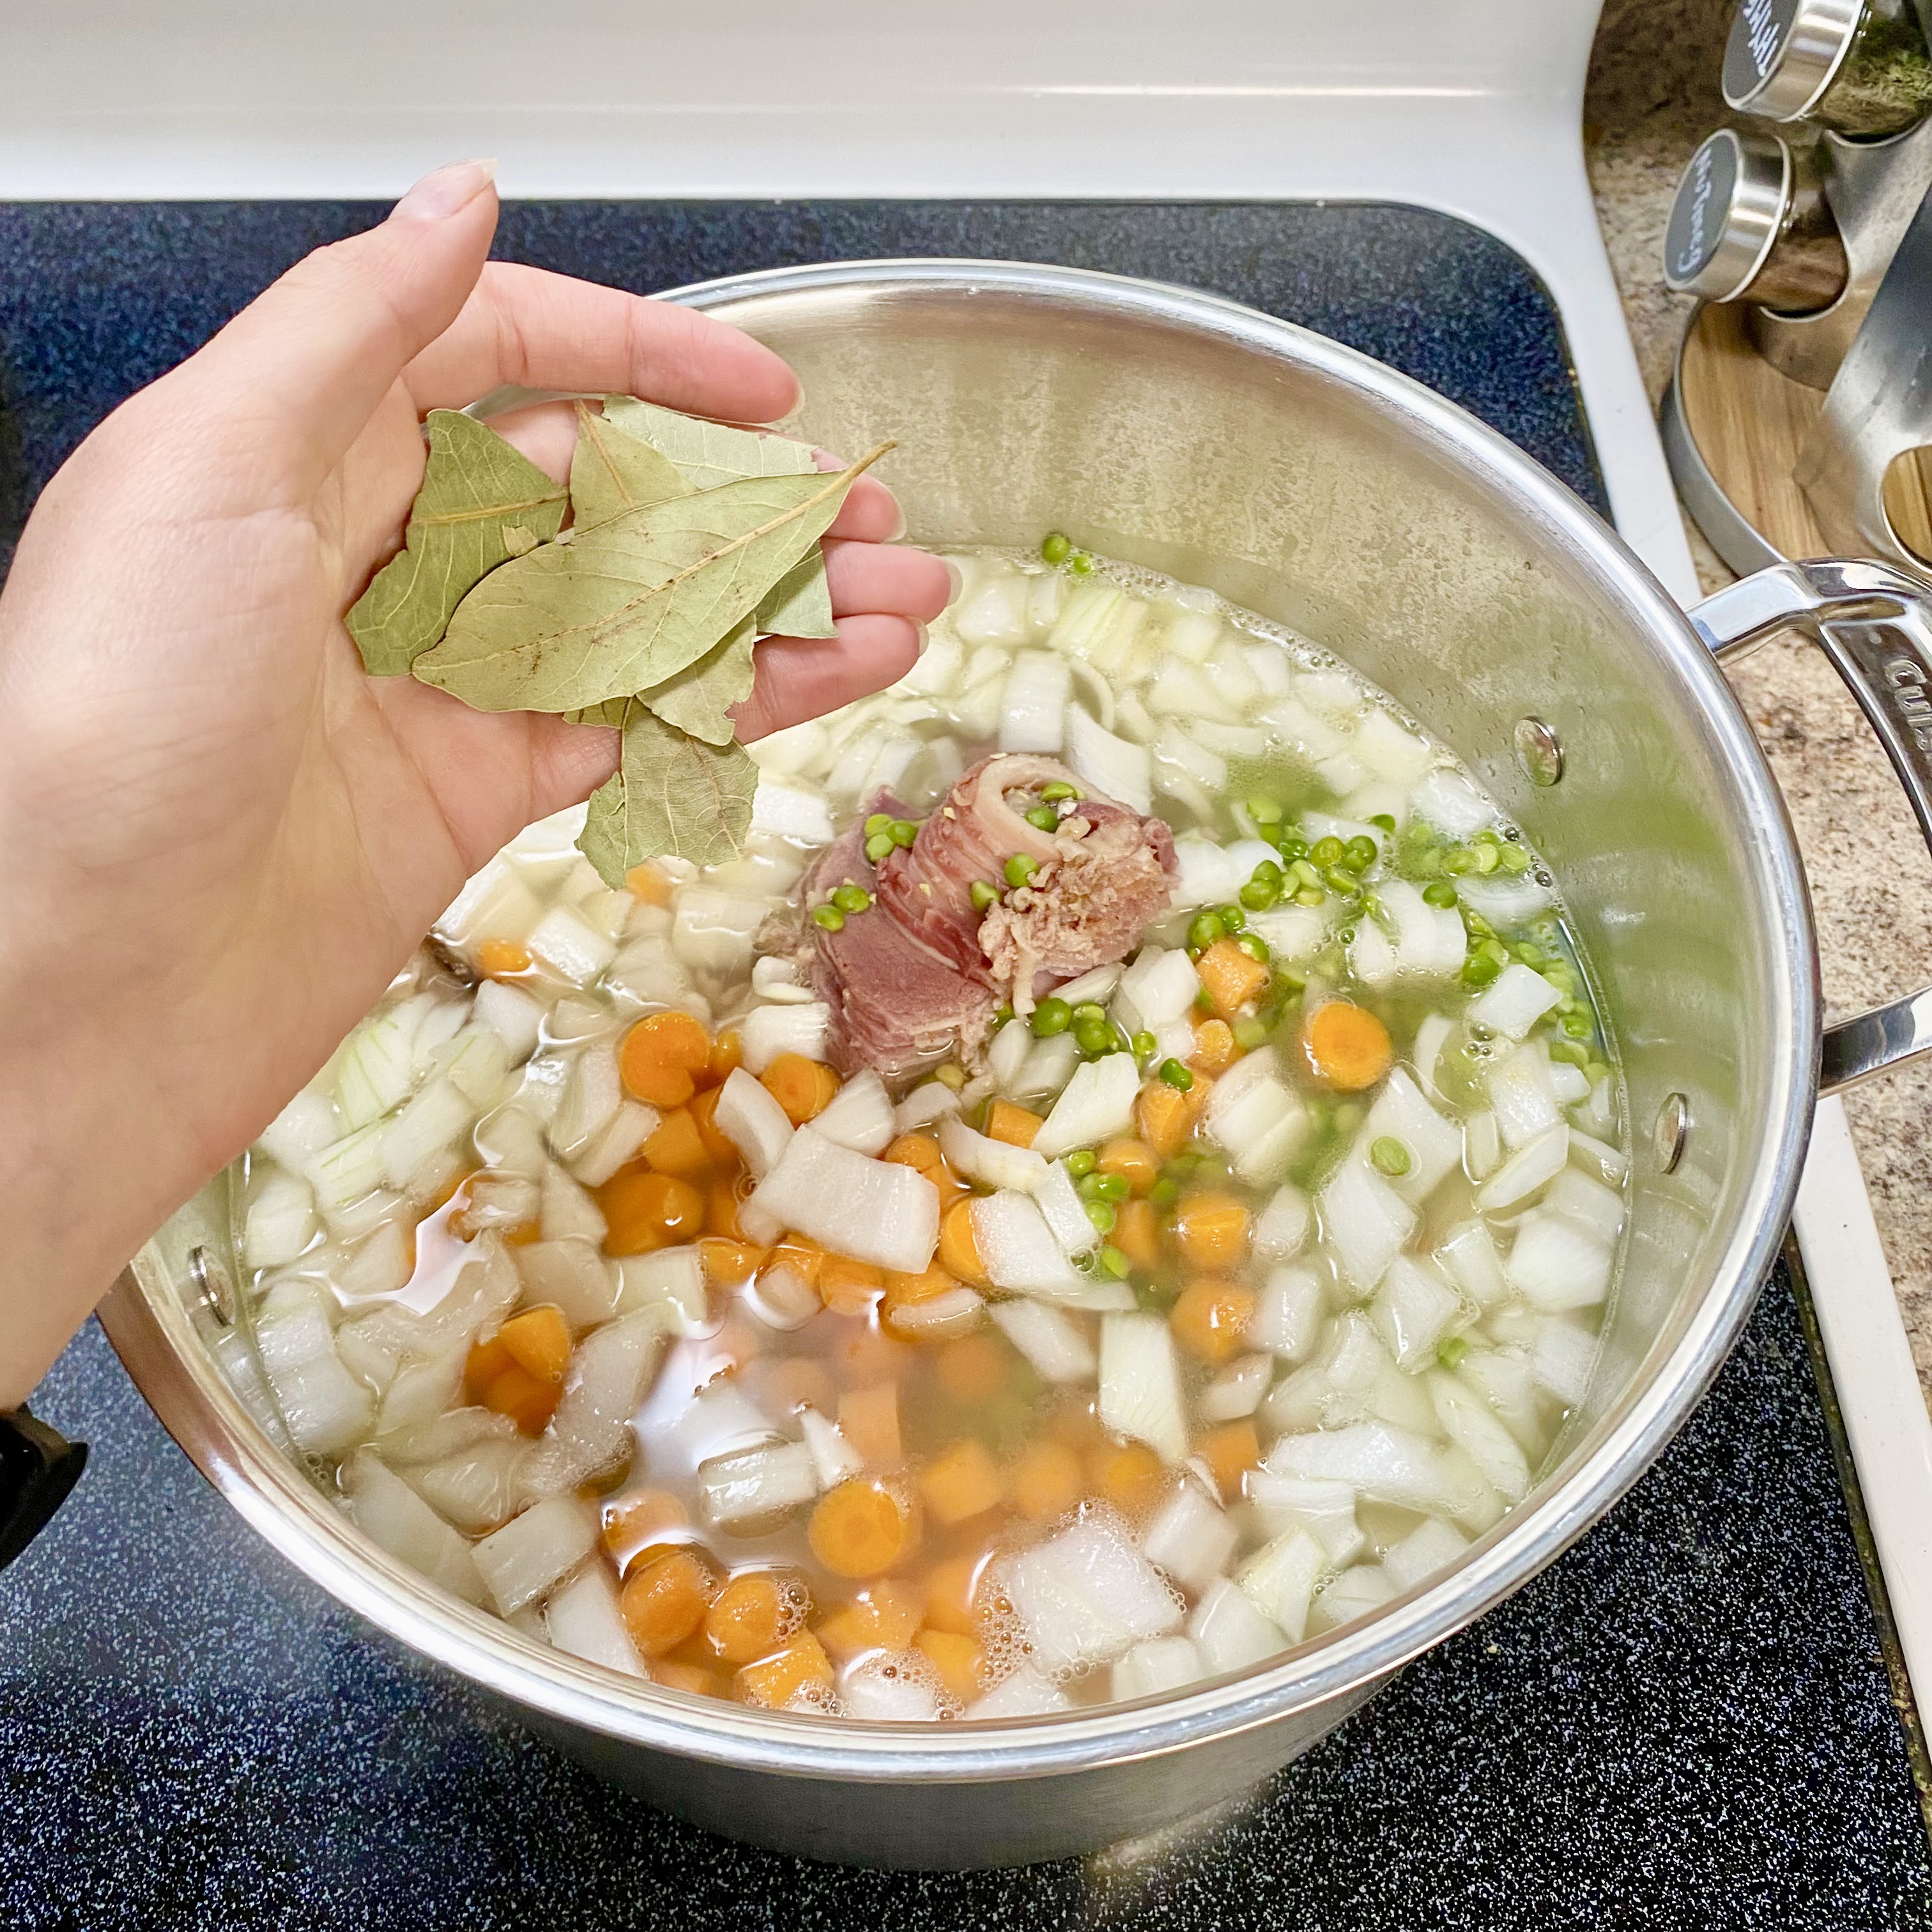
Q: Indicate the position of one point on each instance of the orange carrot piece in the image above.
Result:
(502, 958)
(1346, 1047)
(723, 1150)
(665, 1601)
(916, 1151)
(1045, 1481)
(1014, 1125)
(676, 1146)
(1213, 1048)
(869, 1419)
(972, 1369)
(1131, 1476)
(1166, 1116)
(802, 1087)
(539, 1339)
(692, 1679)
(645, 1523)
(883, 1617)
(660, 1055)
(1210, 1228)
(529, 1401)
(486, 1361)
(909, 1291)
(647, 883)
(963, 1480)
(1232, 978)
(729, 1264)
(1137, 1233)
(959, 1661)
(951, 1589)
(749, 1618)
(959, 1247)
(727, 1056)
(1209, 1317)
(800, 1673)
(643, 1211)
(1230, 1451)
(861, 1529)
(847, 1287)
(1134, 1161)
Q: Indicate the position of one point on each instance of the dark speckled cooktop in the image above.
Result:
(1686, 1722)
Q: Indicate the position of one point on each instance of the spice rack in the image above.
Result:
(1797, 421)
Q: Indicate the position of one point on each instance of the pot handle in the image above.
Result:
(1873, 621)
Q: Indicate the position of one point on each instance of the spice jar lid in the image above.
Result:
(1730, 208)
(1782, 56)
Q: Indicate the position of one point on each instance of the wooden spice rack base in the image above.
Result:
(1746, 424)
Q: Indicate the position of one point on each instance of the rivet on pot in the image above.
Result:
(1673, 1125)
(213, 1283)
(1539, 751)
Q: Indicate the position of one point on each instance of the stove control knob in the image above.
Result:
(1859, 66)
(1749, 224)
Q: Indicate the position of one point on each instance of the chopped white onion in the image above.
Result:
(428, 1125)
(1570, 1085)
(582, 1618)
(306, 1126)
(1254, 1117)
(566, 944)
(1521, 1097)
(1468, 1251)
(767, 1031)
(373, 1068)
(1111, 766)
(1025, 1693)
(1392, 1464)
(859, 1115)
(1140, 1384)
(752, 1120)
(1288, 1313)
(1237, 1390)
(1048, 1067)
(1086, 1596)
(1059, 1202)
(1282, 1227)
(1450, 802)
(573, 1276)
(1513, 1002)
(1152, 1669)
(1354, 1593)
(347, 1169)
(522, 1559)
(1033, 706)
(1365, 1221)
(380, 1265)
(1229, 1631)
(1161, 985)
(873, 1210)
(1430, 941)
(1482, 1145)
(1429, 1547)
(1469, 1422)
(1557, 1264)
(712, 931)
(1098, 1103)
(833, 1459)
(1279, 1580)
(1292, 932)
(787, 810)
(935, 1100)
(670, 1280)
(894, 1688)
(1413, 1309)
(1052, 1342)
(1096, 986)
(1562, 1358)
(1606, 1162)
(1005, 1057)
(1019, 1249)
(1592, 1206)
(752, 1486)
(280, 1221)
(977, 1157)
(1326, 1509)
(1434, 1145)
(391, 1514)
(1532, 1166)
(622, 1135)
(1190, 1538)
(567, 1210)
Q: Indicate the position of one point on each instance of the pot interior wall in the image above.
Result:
(1304, 498)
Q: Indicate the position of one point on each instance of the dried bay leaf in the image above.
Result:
(610, 712)
(611, 472)
(481, 504)
(632, 601)
(672, 794)
(709, 454)
(699, 699)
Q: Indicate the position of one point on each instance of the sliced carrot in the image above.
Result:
(869, 1419)
(691, 1679)
(643, 1211)
(502, 958)
(728, 1264)
(722, 1150)
(1347, 1047)
(1014, 1125)
(647, 883)
(1232, 977)
(795, 1381)
(799, 1673)
(973, 1369)
(676, 1146)
(861, 1529)
(802, 1257)
(646, 1522)
(1137, 1233)
(539, 1339)
(1213, 1048)
(750, 1616)
(916, 1151)
(1210, 1228)
(660, 1055)
(959, 1247)
(952, 1591)
(1166, 1116)
(1209, 1317)
(486, 1361)
(959, 1661)
(1230, 1451)
(665, 1600)
(909, 1291)
(963, 1480)
(1045, 1481)
(847, 1287)
(1131, 1476)
(882, 1617)
(727, 1056)
(721, 1209)
(802, 1087)
(1134, 1161)
(529, 1401)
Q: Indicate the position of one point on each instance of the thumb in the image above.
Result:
(312, 356)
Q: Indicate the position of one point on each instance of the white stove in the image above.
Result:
(1473, 109)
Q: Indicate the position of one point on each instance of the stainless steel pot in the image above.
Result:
(1321, 489)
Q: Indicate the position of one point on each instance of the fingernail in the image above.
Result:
(925, 637)
(899, 522)
(439, 195)
(956, 579)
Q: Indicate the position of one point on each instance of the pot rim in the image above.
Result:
(155, 1336)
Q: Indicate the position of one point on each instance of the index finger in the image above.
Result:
(540, 331)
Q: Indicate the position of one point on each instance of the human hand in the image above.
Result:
(218, 838)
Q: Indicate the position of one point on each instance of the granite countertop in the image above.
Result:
(1653, 96)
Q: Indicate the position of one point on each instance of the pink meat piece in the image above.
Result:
(923, 969)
